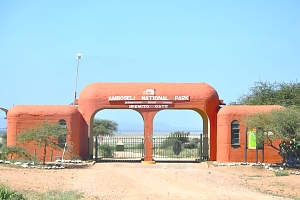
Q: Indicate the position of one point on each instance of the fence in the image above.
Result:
(178, 148)
(182, 147)
(113, 148)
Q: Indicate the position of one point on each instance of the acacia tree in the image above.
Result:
(18, 151)
(44, 135)
(103, 127)
(279, 124)
(266, 93)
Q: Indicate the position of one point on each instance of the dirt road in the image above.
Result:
(155, 181)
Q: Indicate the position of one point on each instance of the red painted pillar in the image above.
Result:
(148, 134)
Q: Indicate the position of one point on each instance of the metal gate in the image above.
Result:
(121, 148)
(166, 148)
(178, 148)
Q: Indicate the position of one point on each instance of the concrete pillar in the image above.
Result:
(148, 135)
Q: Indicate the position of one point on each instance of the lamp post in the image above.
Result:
(79, 56)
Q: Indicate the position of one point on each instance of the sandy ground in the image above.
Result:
(157, 181)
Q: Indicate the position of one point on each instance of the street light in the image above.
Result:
(79, 56)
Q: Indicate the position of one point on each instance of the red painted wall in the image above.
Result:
(20, 118)
(228, 153)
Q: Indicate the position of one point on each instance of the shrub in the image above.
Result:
(281, 173)
(168, 142)
(181, 136)
(15, 152)
(7, 194)
(140, 146)
(69, 153)
(55, 195)
(107, 151)
(190, 145)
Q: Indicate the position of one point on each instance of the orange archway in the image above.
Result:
(148, 99)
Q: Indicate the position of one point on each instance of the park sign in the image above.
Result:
(251, 138)
(253, 141)
(148, 100)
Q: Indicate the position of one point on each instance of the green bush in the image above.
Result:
(140, 146)
(107, 151)
(7, 194)
(55, 195)
(167, 143)
(190, 145)
(15, 151)
(181, 136)
(281, 173)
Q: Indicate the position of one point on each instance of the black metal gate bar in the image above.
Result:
(121, 148)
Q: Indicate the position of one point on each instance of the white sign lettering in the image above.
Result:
(120, 98)
(148, 106)
(138, 106)
(182, 98)
(147, 98)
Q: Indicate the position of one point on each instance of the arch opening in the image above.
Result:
(124, 141)
(181, 135)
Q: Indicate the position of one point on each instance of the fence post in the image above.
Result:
(51, 154)
(96, 148)
(245, 146)
(200, 148)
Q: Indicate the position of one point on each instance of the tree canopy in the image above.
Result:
(44, 134)
(266, 93)
(283, 124)
(104, 127)
(279, 124)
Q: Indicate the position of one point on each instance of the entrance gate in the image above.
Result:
(121, 148)
(166, 148)
(148, 99)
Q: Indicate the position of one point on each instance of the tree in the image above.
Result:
(283, 123)
(103, 127)
(44, 135)
(16, 151)
(266, 93)
(180, 136)
(279, 124)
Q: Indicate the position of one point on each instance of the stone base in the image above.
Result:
(148, 162)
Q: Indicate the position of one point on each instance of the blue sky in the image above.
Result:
(227, 44)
